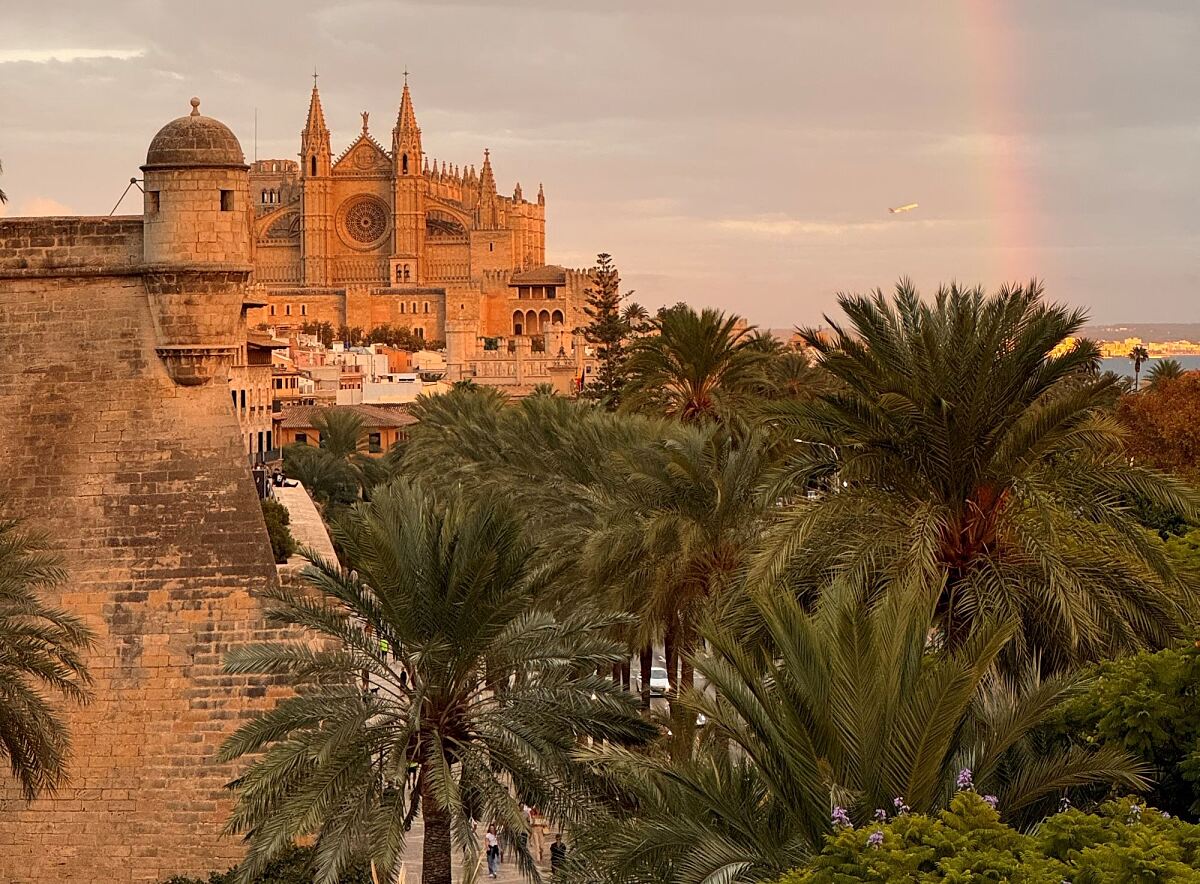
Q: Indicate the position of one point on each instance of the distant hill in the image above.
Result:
(1147, 331)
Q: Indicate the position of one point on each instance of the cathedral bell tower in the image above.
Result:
(408, 183)
(316, 183)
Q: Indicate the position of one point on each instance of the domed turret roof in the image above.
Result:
(196, 141)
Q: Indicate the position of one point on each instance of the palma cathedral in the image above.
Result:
(377, 235)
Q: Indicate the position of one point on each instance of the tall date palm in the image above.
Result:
(436, 658)
(41, 648)
(962, 454)
(693, 366)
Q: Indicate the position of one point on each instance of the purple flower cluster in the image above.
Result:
(876, 840)
(841, 819)
(880, 815)
(991, 801)
(965, 779)
(901, 807)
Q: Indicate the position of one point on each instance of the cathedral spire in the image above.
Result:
(315, 152)
(487, 181)
(541, 195)
(518, 197)
(406, 136)
(316, 114)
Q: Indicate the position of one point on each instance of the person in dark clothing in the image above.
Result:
(558, 853)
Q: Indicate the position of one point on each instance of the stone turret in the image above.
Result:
(197, 244)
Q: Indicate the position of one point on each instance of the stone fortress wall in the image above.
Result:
(120, 442)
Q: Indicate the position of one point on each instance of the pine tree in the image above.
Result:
(607, 331)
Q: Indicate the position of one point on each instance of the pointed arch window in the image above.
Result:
(314, 164)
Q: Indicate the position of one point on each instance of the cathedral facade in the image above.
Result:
(381, 235)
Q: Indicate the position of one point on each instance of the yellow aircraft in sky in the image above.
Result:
(907, 207)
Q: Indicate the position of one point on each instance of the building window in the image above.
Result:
(272, 309)
(551, 292)
(263, 196)
(268, 440)
(302, 438)
(426, 310)
(522, 292)
(287, 309)
(314, 165)
(375, 443)
(491, 247)
(413, 308)
(233, 393)
(151, 202)
(420, 332)
(260, 442)
(226, 200)
(404, 164)
(401, 306)
(303, 309)
(243, 398)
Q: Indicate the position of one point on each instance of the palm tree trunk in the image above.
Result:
(435, 851)
(645, 661)
(672, 655)
(625, 675)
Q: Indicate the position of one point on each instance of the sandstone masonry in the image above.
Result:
(116, 337)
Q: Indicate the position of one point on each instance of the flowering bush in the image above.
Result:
(969, 843)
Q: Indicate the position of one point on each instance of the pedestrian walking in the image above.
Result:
(537, 831)
(493, 851)
(558, 853)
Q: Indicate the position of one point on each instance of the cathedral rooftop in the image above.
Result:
(194, 140)
(549, 274)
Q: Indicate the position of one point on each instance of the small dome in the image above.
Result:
(194, 140)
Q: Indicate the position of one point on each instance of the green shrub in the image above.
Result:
(293, 866)
(1148, 705)
(1125, 842)
(276, 516)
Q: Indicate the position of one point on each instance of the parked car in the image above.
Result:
(659, 684)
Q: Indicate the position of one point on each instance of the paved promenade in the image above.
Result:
(508, 872)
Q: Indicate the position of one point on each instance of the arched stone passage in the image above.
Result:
(518, 322)
(556, 318)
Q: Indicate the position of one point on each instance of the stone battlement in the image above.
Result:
(81, 245)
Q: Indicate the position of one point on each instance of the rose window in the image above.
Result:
(366, 220)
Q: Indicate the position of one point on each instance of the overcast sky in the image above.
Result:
(741, 155)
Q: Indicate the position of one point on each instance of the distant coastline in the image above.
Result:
(1124, 367)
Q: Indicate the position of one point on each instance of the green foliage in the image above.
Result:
(695, 367)
(472, 685)
(293, 865)
(276, 516)
(968, 842)
(41, 652)
(848, 706)
(323, 331)
(1163, 370)
(607, 329)
(967, 457)
(1148, 704)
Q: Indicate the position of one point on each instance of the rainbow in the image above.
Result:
(1007, 188)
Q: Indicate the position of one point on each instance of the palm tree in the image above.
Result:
(693, 366)
(671, 539)
(1164, 370)
(41, 649)
(1137, 356)
(635, 316)
(342, 455)
(966, 456)
(850, 709)
(437, 656)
